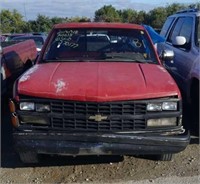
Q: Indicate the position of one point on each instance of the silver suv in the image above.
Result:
(182, 33)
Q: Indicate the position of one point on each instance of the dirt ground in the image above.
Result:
(93, 169)
(72, 170)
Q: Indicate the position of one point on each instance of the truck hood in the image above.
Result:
(97, 81)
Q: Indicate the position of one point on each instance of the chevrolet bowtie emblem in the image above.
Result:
(98, 117)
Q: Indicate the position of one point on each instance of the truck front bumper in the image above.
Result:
(99, 144)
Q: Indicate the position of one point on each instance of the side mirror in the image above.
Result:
(167, 55)
(179, 41)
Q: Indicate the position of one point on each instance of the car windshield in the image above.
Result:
(118, 45)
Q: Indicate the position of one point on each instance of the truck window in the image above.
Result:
(183, 27)
(176, 29)
(197, 32)
(166, 26)
(186, 30)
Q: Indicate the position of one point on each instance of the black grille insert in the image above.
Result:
(114, 108)
(120, 116)
(106, 125)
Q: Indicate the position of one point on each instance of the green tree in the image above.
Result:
(128, 15)
(79, 19)
(41, 24)
(44, 23)
(157, 17)
(57, 20)
(26, 28)
(141, 18)
(107, 14)
(11, 21)
(175, 7)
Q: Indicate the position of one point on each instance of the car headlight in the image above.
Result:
(154, 107)
(27, 106)
(42, 107)
(169, 106)
(163, 106)
(31, 106)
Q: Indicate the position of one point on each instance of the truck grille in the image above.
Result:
(116, 116)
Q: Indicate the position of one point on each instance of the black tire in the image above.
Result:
(165, 157)
(28, 157)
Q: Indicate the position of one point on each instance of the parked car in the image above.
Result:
(38, 39)
(2, 38)
(182, 33)
(97, 96)
(10, 36)
(16, 57)
(40, 33)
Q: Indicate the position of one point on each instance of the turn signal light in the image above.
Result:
(14, 120)
(12, 106)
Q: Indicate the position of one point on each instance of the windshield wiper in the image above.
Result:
(57, 59)
(118, 57)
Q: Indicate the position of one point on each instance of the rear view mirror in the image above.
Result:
(167, 55)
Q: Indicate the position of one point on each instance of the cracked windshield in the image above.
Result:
(100, 45)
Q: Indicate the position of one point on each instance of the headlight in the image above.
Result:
(154, 107)
(161, 122)
(42, 108)
(27, 106)
(169, 106)
(163, 106)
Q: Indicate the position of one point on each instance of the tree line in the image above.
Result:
(13, 21)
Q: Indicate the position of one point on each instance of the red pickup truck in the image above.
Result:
(98, 89)
(16, 57)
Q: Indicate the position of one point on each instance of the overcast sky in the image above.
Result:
(71, 8)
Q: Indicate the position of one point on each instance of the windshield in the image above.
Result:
(119, 45)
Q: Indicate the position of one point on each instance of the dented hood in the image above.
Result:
(97, 81)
